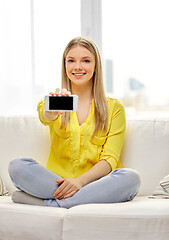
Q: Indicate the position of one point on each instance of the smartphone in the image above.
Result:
(61, 103)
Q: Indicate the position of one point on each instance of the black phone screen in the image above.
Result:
(60, 103)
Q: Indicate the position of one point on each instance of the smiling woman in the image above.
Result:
(81, 160)
(86, 53)
(80, 65)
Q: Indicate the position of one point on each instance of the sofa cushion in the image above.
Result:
(22, 136)
(142, 218)
(146, 150)
(26, 222)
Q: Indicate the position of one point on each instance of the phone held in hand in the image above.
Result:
(61, 103)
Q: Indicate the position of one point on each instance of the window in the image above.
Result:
(55, 24)
(33, 35)
(15, 56)
(132, 37)
(136, 51)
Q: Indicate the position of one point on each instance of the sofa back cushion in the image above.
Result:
(22, 136)
(145, 148)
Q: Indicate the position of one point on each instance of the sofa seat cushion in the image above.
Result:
(142, 218)
(19, 221)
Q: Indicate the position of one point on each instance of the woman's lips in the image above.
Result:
(78, 74)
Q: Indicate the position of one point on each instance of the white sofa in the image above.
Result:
(146, 149)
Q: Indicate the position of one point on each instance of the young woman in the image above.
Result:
(84, 160)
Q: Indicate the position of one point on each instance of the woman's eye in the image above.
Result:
(70, 60)
(87, 61)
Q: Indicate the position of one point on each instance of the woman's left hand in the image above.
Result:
(68, 187)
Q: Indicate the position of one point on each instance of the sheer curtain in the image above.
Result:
(33, 34)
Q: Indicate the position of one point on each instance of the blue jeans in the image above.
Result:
(118, 186)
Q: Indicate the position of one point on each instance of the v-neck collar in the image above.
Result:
(84, 124)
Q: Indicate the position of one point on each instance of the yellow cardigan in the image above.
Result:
(73, 151)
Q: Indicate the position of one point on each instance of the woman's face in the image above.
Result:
(80, 65)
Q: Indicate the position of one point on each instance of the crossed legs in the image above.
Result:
(38, 185)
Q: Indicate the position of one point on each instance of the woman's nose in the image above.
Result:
(78, 65)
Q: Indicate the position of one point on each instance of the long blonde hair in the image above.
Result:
(98, 87)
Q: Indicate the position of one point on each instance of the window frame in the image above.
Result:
(91, 18)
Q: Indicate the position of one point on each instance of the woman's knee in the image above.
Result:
(134, 182)
(13, 166)
(130, 177)
(131, 173)
(133, 177)
(17, 166)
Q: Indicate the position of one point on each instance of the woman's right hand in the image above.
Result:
(51, 116)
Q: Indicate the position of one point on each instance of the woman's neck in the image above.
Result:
(83, 92)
